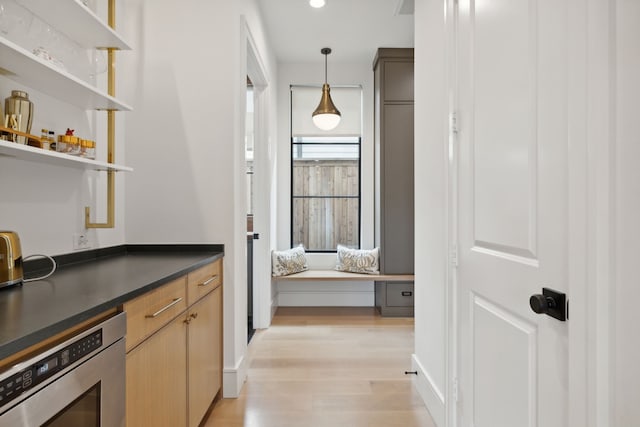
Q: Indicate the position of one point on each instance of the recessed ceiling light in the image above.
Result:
(317, 3)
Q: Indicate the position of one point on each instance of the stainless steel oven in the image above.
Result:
(78, 383)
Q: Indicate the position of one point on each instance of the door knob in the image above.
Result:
(541, 304)
(550, 302)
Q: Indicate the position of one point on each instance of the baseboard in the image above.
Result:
(433, 398)
(233, 379)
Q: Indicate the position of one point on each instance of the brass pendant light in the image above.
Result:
(326, 116)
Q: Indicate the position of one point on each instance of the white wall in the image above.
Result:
(186, 138)
(431, 150)
(45, 204)
(339, 74)
(626, 293)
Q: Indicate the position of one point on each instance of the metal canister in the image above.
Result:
(20, 112)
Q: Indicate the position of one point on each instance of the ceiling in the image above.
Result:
(353, 29)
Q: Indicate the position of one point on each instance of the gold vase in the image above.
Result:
(18, 112)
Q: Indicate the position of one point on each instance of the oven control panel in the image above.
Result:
(31, 376)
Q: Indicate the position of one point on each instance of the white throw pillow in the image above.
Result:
(358, 260)
(288, 261)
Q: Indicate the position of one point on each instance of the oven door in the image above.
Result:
(91, 394)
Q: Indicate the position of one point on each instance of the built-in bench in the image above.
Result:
(392, 294)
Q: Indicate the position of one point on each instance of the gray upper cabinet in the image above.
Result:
(398, 78)
(394, 204)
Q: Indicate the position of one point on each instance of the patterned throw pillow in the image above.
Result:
(358, 260)
(288, 261)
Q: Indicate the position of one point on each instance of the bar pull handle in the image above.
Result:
(211, 279)
(163, 309)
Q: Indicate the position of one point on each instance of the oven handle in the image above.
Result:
(163, 309)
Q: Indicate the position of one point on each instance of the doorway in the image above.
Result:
(248, 157)
(258, 174)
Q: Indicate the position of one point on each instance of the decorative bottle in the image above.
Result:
(18, 112)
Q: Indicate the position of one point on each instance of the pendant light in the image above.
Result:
(326, 116)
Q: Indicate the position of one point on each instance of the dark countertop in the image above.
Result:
(87, 284)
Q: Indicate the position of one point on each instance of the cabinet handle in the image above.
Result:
(211, 279)
(406, 293)
(166, 307)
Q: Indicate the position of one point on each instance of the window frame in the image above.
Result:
(292, 197)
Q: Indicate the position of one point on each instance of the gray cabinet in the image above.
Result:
(394, 298)
(394, 201)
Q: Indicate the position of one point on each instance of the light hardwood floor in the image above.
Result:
(328, 367)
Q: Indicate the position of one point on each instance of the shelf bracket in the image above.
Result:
(111, 136)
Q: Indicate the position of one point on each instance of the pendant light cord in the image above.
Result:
(325, 51)
(325, 68)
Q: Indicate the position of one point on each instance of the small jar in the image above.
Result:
(68, 144)
(44, 139)
(88, 148)
(52, 140)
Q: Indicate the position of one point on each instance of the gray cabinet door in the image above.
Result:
(398, 81)
(397, 188)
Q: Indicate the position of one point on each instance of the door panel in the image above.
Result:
(503, 74)
(512, 222)
(504, 380)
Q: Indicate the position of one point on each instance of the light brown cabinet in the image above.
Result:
(204, 358)
(149, 312)
(174, 350)
(201, 281)
(156, 381)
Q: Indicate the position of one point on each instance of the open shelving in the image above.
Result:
(76, 21)
(25, 68)
(80, 24)
(34, 154)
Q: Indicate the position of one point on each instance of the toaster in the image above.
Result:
(11, 272)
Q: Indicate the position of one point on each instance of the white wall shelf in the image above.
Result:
(76, 21)
(25, 152)
(25, 68)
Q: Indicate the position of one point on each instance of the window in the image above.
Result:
(325, 172)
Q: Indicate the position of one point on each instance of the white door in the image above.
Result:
(512, 211)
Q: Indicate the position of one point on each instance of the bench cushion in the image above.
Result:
(358, 260)
(288, 261)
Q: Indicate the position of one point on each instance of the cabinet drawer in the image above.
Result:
(203, 280)
(149, 312)
(400, 294)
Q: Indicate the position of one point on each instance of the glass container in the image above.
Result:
(68, 144)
